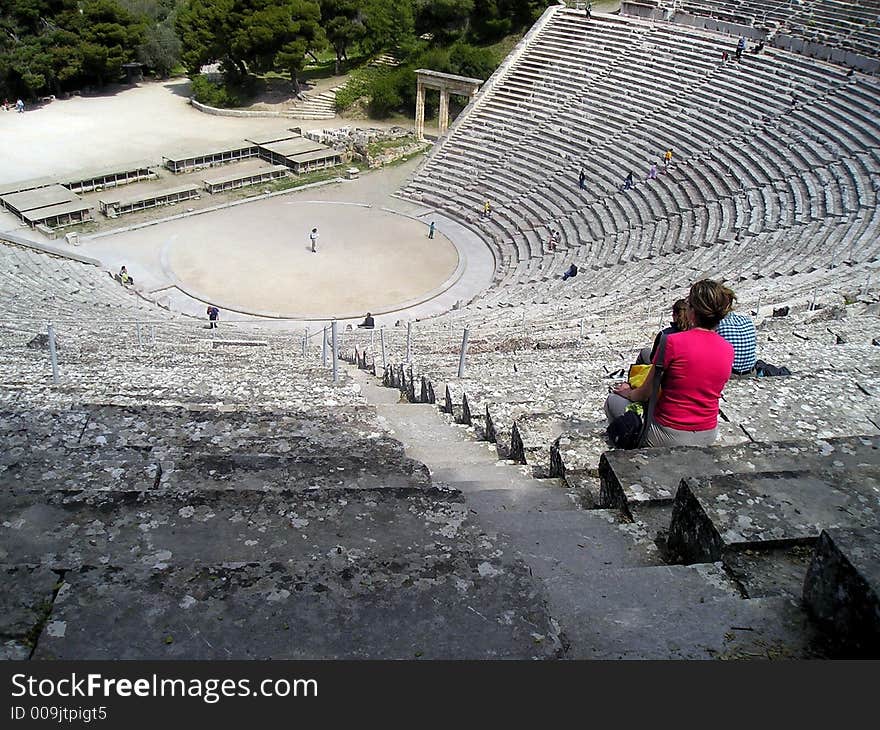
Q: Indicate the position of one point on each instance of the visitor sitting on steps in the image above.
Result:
(696, 366)
(368, 322)
(679, 323)
(571, 271)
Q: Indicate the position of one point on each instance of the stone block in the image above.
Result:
(716, 514)
(842, 589)
(652, 476)
(26, 593)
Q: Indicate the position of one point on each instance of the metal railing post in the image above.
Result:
(813, 300)
(582, 328)
(324, 348)
(140, 339)
(53, 355)
(461, 356)
(382, 344)
(335, 352)
(409, 341)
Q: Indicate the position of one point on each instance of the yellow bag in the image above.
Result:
(638, 374)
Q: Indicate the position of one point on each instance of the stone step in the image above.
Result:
(164, 527)
(652, 476)
(715, 515)
(418, 604)
(842, 589)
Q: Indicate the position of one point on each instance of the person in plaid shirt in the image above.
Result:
(739, 331)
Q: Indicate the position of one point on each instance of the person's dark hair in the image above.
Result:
(680, 315)
(710, 302)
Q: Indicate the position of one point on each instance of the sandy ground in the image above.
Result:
(258, 259)
(135, 123)
(252, 257)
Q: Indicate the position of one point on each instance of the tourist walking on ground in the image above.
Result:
(431, 230)
(582, 179)
(589, 11)
(740, 47)
(627, 182)
(213, 316)
(19, 106)
(652, 172)
(667, 158)
(313, 237)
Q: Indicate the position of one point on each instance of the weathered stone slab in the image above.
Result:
(79, 469)
(148, 427)
(534, 434)
(652, 476)
(240, 471)
(715, 514)
(820, 405)
(449, 603)
(842, 588)
(158, 528)
(26, 593)
(577, 451)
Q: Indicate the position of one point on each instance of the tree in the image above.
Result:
(389, 26)
(109, 35)
(49, 46)
(160, 49)
(249, 35)
(343, 25)
(443, 19)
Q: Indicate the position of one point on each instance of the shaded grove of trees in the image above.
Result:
(452, 36)
(54, 46)
(247, 37)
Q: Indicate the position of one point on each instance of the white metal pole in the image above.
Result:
(382, 344)
(461, 356)
(324, 348)
(409, 341)
(335, 352)
(53, 355)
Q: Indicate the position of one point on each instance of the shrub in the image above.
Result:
(222, 95)
(384, 96)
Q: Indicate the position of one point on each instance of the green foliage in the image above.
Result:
(445, 20)
(389, 25)
(385, 95)
(343, 26)
(51, 46)
(224, 95)
(388, 90)
(249, 36)
(160, 49)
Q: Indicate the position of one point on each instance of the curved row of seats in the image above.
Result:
(767, 144)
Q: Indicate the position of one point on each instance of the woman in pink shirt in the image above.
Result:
(696, 365)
